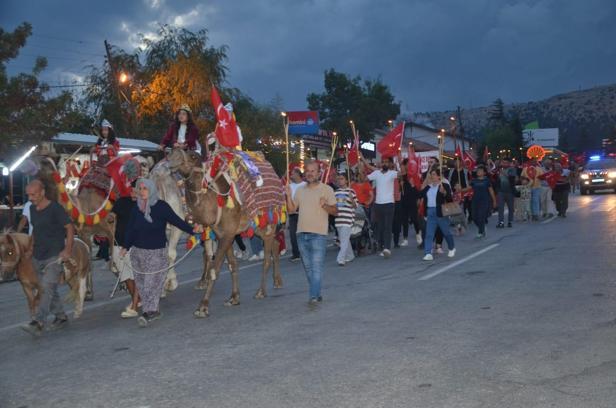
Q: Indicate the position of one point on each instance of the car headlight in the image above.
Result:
(584, 176)
(611, 174)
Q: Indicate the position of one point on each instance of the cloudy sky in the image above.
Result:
(435, 54)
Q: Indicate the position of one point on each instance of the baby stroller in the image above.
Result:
(362, 236)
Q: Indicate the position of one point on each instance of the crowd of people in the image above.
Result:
(391, 198)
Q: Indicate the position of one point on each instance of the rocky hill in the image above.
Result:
(584, 117)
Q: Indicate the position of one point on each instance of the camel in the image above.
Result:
(16, 255)
(226, 222)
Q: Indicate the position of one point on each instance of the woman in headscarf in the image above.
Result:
(182, 132)
(146, 235)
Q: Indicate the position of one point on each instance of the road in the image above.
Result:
(524, 318)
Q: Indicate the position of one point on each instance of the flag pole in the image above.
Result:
(440, 153)
(331, 158)
(285, 123)
(348, 166)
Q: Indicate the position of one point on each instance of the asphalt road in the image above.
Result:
(524, 318)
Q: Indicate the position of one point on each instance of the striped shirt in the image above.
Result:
(346, 201)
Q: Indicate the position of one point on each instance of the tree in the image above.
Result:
(179, 68)
(27, 114)
(370, 104)
(496, 113)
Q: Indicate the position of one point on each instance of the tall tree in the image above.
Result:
(370, 104)
(497, 112)
(28, 114)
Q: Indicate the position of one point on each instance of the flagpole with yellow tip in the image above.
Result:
(331, 158)
(285, 123)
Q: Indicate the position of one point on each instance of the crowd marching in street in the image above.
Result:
(371, 208)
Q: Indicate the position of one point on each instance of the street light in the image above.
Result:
(451, 118)
(123, 78)
(5, 171)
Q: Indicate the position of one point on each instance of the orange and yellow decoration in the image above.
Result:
(78, 216)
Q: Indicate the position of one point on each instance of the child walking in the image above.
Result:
(346, 201)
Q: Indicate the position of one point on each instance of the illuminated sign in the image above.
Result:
(368, 146)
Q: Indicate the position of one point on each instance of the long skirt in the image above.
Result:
(150, 270)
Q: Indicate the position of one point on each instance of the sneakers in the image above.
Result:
(129, 313)
(451, 253)
(439, 250)
(313, 301)
(404, 243)
(239, 254)
(341, 263)
(480, 236)
(500, 225)
(34, 328)
(509, 225)
(295, 258)
(386, 253)
(261, 255)
(419, 239)
(58, 323)
(283, 252)
(147, 318)
(428, 257)
(253, 258)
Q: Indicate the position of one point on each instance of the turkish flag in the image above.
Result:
(413, 167)
(389, 146)
(469, 161)
(226, 128)
(353, 156)
(458, 151)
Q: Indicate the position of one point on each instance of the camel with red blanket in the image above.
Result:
(221, 194)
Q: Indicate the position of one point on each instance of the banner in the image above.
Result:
(303, 122)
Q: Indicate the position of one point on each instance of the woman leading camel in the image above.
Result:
(182, 132)
(146, 234)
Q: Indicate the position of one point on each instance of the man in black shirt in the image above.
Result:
(53, 236)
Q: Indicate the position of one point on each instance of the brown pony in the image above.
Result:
(16, 255)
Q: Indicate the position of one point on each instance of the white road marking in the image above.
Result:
(124, 297)
(459, 262)
(552, 218)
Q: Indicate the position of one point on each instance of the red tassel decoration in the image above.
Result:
(220, 200)
(89, 220)
(75, 213)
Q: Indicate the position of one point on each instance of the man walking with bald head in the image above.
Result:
(53, 236)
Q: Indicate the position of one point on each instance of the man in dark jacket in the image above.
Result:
(504, 185)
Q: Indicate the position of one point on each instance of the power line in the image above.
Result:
(52, 37)
(58, 57)
(61, 50)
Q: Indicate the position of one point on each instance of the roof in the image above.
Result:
(125, 143)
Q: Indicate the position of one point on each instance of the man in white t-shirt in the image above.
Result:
(25, 218)
(384, 180)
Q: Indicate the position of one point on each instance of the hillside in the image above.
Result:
(584, 117)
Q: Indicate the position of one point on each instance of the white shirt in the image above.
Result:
(432, 195)
(295, 186)
(182, 134)
(384, 183)
(26, 213)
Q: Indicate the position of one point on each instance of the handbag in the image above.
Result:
(451, 209)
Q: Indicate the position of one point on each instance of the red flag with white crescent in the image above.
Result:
(389, 145)
(226, 128)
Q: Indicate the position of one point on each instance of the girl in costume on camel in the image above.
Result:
(182, 132)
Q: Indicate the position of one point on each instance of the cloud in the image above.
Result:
(434, 54)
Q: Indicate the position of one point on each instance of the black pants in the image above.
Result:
(480, 214)
(467, 209)
(561, 201)
(384, 216)
(293, 234)
(240, 243)
(400, 222)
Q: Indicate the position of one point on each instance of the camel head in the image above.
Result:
(12, 248)
(183, 161)
(145, 164)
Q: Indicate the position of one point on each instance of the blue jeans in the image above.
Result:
(440, 222)
(312, 249)
(535, 201)
(256, 245)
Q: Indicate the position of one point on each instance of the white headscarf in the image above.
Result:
(145, 206)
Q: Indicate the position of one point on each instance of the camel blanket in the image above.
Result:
(267, 197)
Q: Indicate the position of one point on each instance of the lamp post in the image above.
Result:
(11, 169)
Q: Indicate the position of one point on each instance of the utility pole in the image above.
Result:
(113, 73)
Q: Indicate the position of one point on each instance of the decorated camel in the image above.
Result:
(16, 255)
(221, 194)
